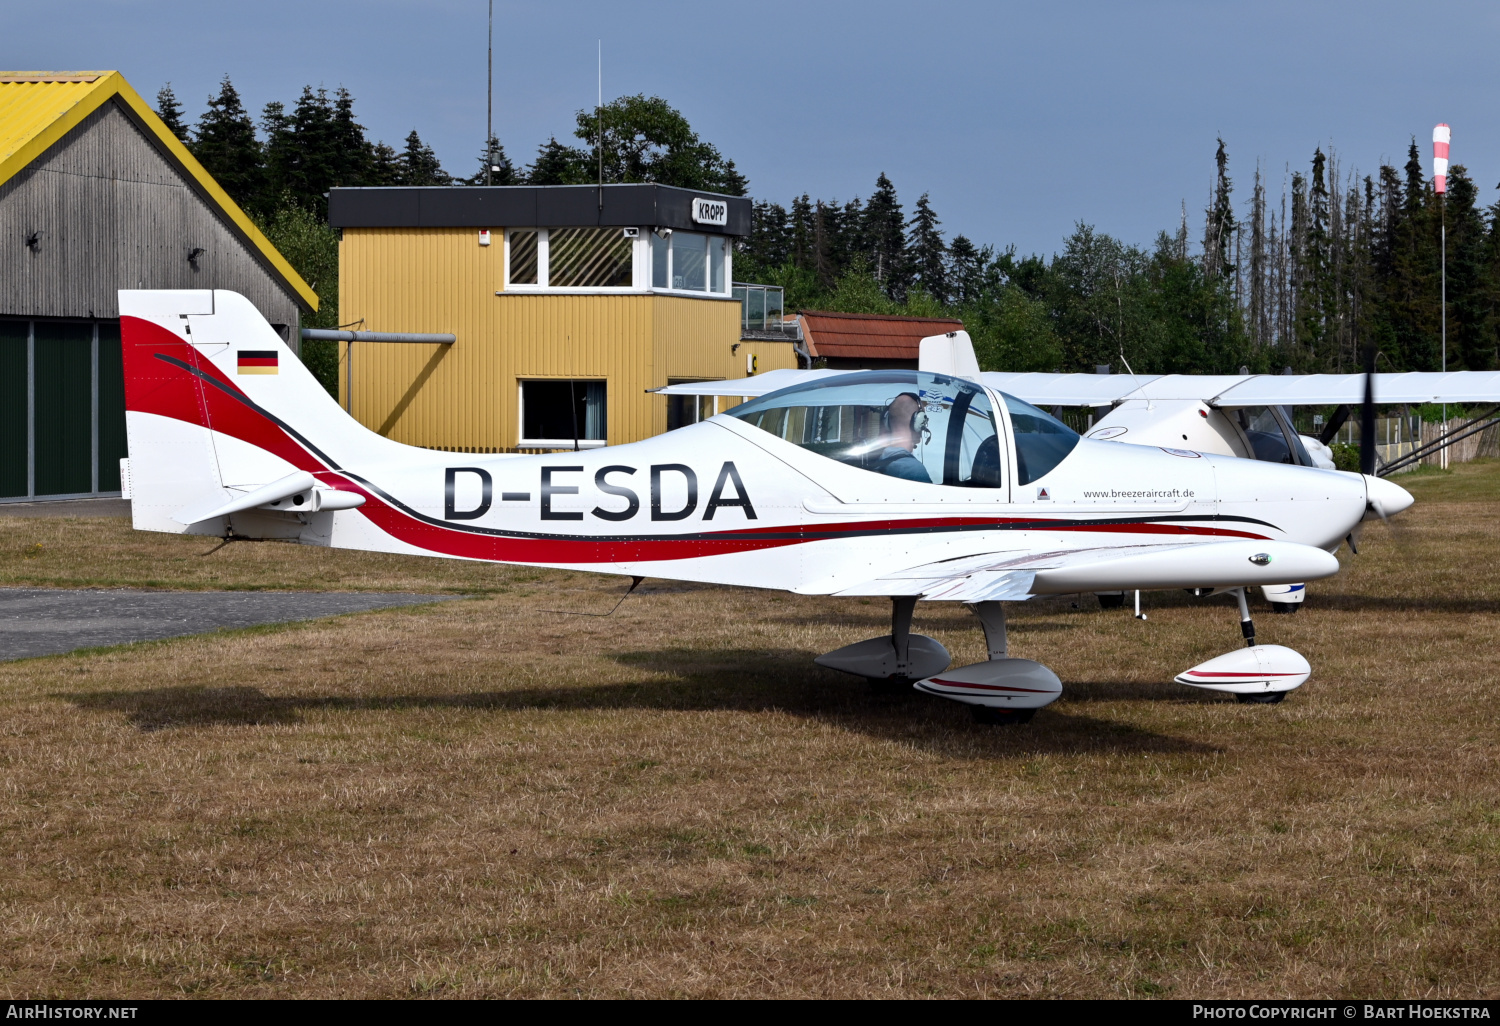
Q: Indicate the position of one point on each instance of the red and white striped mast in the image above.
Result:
(1442, 135)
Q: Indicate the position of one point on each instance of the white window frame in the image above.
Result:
(640, 263)
(698, 417)
(728, 293)
(522, 442)
(541, 261)
(640, 250)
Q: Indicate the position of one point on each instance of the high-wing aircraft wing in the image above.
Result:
(1223, 390)
(1248, 390)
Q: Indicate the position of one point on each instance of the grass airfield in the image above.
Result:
(483, 798)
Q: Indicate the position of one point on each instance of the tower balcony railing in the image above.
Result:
(763, 313)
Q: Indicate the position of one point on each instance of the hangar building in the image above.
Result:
(567, 304)
(96, 194)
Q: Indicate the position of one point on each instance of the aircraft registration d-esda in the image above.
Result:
(901, 484)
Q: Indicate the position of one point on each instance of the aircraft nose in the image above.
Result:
(1386, 497)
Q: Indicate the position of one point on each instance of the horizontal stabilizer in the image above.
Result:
(301, 481)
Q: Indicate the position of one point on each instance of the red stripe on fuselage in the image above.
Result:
(158, 387)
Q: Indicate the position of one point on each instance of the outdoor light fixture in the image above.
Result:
(34, 240)
(631, 233)
(663, 233)
(193, 255)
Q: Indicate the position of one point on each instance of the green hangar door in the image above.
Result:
(62, 409)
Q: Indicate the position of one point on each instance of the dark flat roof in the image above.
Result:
(530, 206)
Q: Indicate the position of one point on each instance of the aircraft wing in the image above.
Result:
(1014, 576)
(1248, 390)
(1213, 389)
(1328, 389)
(750, 388)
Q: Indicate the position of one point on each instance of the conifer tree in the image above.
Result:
(926, 253)
(966, 269)
(1318, 280)
(825, 243)
(352, 153)
(1471, 341)
(1412, 302)
(1218, 222)
(801, 242)
(1257, 320)
(556, 164)
(302, 150)
(885, 237)
(170, 112)
(279, 153)
(385, 166)
(1416, 180)
(419, 164)
(225, 145)
(492, 156)
(769, 243)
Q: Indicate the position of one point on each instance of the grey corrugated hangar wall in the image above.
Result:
(102, 209)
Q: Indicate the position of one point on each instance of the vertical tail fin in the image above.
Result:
(218, 405)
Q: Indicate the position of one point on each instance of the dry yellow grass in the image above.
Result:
(480, 798)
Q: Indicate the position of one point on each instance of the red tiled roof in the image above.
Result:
(870, 336)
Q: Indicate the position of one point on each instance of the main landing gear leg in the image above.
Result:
(902, 607)
(992, 617)
(891, 662)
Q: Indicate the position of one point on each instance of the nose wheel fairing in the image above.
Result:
(1255, 673)
(1264, 669)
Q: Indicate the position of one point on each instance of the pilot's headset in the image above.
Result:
(918, 425)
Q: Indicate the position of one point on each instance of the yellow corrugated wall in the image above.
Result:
(466, 396)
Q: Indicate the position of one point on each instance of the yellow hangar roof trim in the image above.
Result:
(37, 108)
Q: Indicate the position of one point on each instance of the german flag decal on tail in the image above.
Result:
(257, 361)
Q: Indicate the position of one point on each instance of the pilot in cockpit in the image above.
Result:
(902, 425)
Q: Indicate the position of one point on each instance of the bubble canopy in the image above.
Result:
(914, 425)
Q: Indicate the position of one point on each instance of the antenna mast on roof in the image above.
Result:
(599, 114)
(489, 104)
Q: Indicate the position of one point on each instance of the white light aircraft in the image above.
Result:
(904, 484)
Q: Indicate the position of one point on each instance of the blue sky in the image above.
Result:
(1018, 118)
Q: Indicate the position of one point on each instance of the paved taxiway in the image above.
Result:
(48, 621)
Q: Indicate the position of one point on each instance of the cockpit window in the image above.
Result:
(1272, 438)
(1042, 441)
(908, 424)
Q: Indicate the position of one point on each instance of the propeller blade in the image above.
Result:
(1367, 417)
